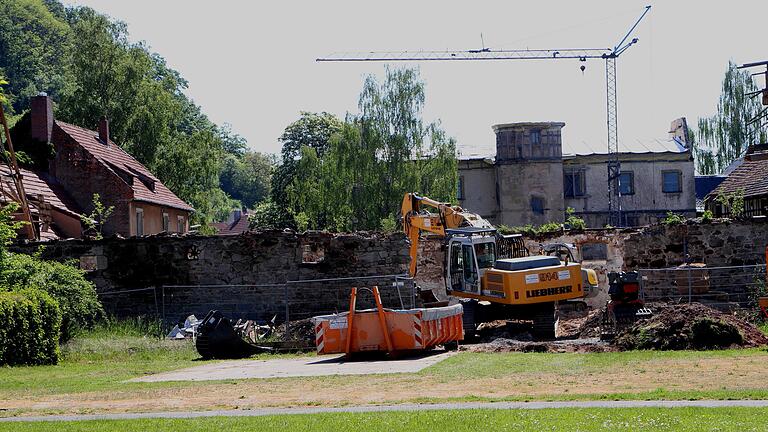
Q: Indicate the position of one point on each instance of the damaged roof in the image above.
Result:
(751, 177)
(38, 183)
(146, 187)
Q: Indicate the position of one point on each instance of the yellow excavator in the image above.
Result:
(494, 275)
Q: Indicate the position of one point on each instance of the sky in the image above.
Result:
(252, 63)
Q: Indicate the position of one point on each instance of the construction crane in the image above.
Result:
(610, 55)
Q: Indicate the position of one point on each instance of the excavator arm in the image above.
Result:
(425, 214)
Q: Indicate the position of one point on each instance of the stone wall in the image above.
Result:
(720, 243)
(241, 275)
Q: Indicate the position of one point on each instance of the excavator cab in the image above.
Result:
(470, 253)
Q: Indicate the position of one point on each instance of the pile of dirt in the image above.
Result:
(578, 324)
(689, 326)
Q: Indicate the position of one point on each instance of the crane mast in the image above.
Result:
(609, 55)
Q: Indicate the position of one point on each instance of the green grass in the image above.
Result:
(593, 419)
(480, 365)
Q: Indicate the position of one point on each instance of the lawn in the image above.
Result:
(602, 419)
(91, 378)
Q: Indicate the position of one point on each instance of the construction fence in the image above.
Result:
(293, 300)
(724, 288)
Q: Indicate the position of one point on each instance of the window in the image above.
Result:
(470, 274)
(671, 181)
(139, 222)
(574, 184)
(486, 254)
(535, 136)
(460, 190)
(627, 183)
(180, 224)
(166, 221)
(537, 204)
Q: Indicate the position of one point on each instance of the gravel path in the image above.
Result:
(402, 407)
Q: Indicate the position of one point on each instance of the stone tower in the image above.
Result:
(529, 173)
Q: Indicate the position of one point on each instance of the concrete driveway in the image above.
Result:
(298, 367)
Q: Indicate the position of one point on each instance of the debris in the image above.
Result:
(689, 326)
(218, 338)
(187, 329)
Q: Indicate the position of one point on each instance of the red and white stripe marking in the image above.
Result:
(319, 339)
(417, 330)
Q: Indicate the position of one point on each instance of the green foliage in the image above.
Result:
(574, 222)
(531, 230)
(707, 216)
(76, 296)
(389, 224)
(87, 63)
(267, 215)
(29, 334)
(673, 219)
(247, 177)
(725, 136)
(733, 203)
(32, 43)
(8, 225)
(371, 160)
(98, 217)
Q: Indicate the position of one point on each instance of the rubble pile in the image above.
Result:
(689, 326)
(300, 331)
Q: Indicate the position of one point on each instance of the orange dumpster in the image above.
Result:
(404, 330)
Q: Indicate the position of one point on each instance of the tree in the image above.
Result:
(32, 43)
(247, 178)
(374, 159)
(98, 217)
(313, 130)
(725, 136)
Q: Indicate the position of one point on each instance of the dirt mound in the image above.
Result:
(689, 326)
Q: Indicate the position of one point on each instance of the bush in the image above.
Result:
(29, 333)
(76, 296)
(574, 222)
(673, 219)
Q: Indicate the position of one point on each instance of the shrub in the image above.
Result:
(573, 221)
(29, 334)
(268, 215)
(75, 295)
(673, 219)
(707, 216)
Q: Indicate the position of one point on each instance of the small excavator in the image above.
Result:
(493, 275)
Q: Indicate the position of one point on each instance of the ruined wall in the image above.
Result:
(715, 244)
(241, 275)
(658, 246)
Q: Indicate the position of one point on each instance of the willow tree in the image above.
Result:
(725, 136)
(380, 153)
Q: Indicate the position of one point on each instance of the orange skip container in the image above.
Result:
(387, 330)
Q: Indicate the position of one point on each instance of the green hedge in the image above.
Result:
(30, 323)
(76, 296)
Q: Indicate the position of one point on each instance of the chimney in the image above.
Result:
(104, 130)
(678, 131)
(41, 112)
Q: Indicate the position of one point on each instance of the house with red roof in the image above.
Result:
(73, 163)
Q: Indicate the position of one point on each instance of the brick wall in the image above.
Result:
(81, 175)
(210, 272)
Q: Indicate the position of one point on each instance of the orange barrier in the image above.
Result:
(386, 330)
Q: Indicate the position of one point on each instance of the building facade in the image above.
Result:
(531, 181)
(78, 163)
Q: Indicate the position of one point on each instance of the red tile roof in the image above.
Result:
(38, 184)
(237, 227)
(751, 177)
(113, 156)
